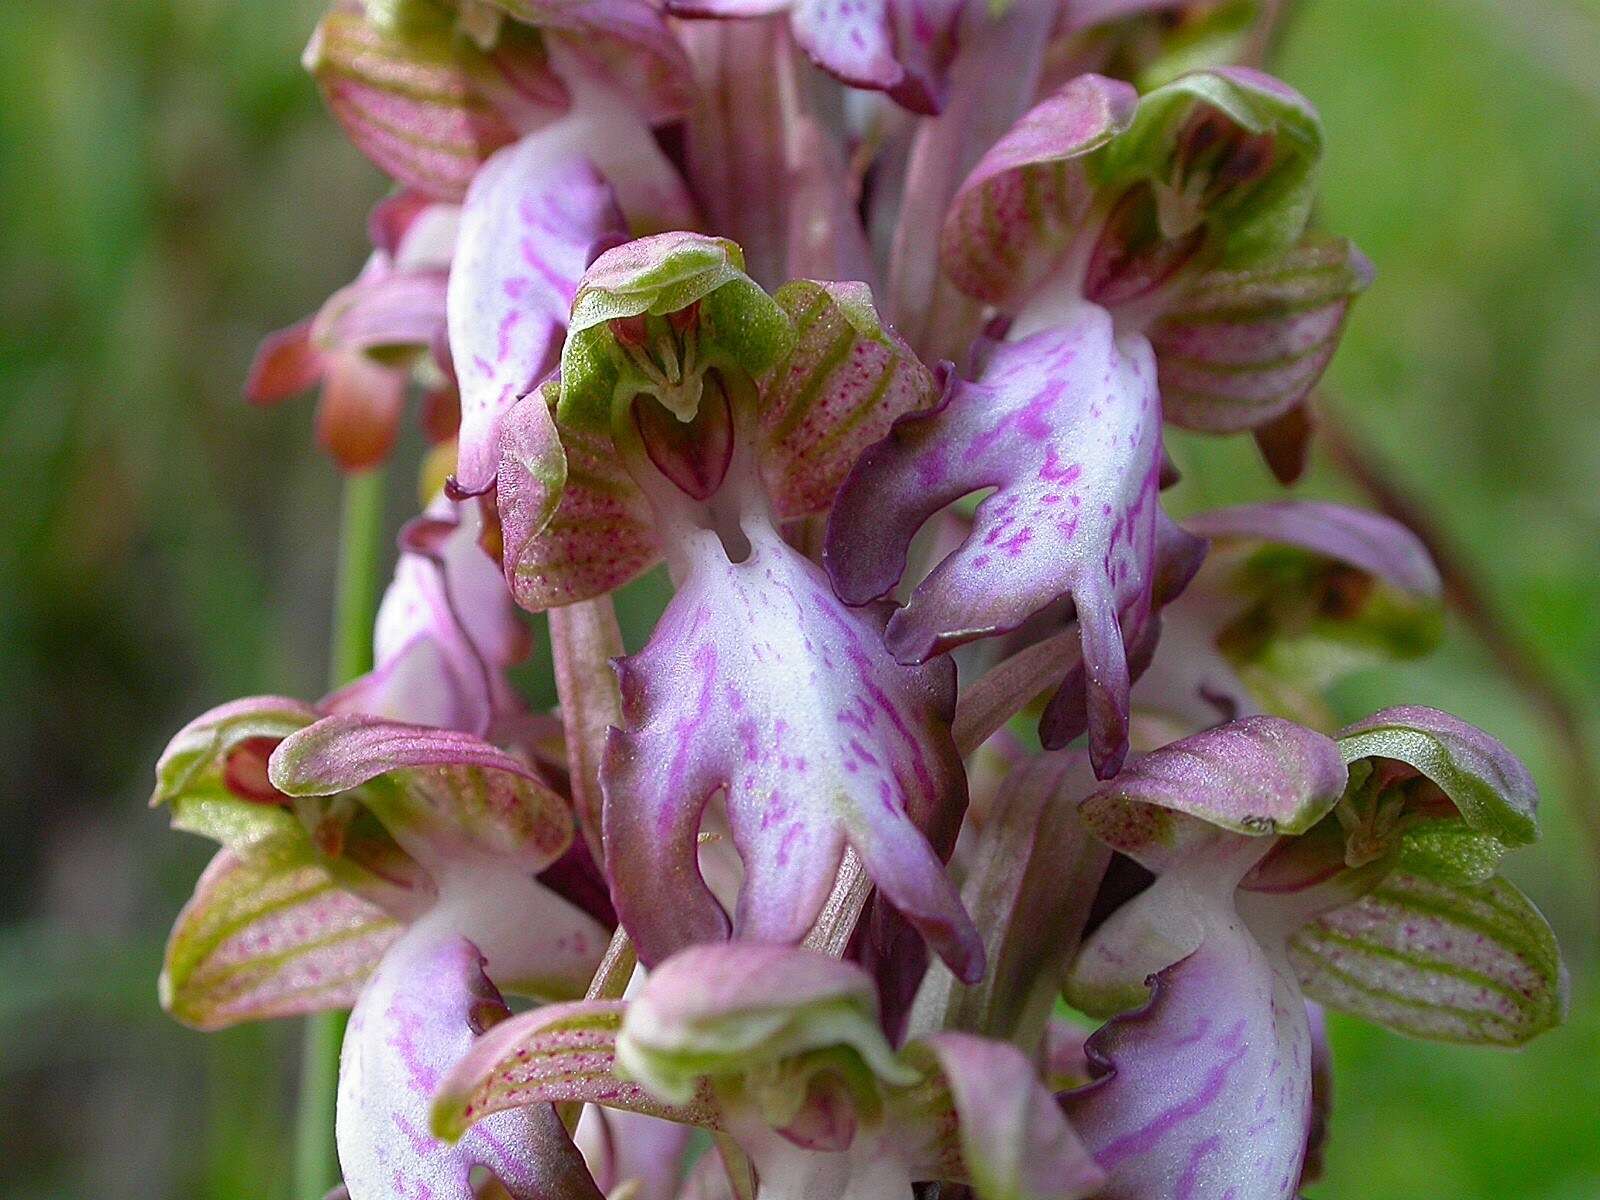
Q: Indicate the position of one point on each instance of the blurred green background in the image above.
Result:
(170, 190)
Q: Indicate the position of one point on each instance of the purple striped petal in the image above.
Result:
(535, 215)
(413, 1022)
(1473, 963)
(556, 1054)
(844, 384)
(1206, 1091)
(1025, 201)
(269, 934)
(575, 525)
(1242, 346)
(758, 681)
(1066, 426)
(425, 105)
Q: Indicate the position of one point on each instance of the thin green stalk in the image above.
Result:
(350, 654)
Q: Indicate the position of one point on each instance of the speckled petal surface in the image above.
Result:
(1065, 425)
(758, 681)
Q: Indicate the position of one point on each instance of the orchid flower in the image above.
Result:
(974, 273)
(371, 860)
(779, 1049)
(1149, 257)
(389, 865)
(1357, 871)
(694, 414)
(561, 98)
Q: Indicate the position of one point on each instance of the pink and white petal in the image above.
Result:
(757, 681)
(1015, 1143)
(445, 633)
(286, 363)
(1369, 541)
(1065, 426)
(556, 1054)
(575, 524)
(535, 216)
(414, 1021)
(269, 934)
(852, 40)
(449, 536)
(1243, 346)
(1023, 204)
(1207, 1090)
(848, 379)
(627, 1150)
(1258, 776)
(392, 218)
(441, 790)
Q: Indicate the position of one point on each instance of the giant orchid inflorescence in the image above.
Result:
(771, 291)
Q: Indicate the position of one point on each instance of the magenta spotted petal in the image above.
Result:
(759, 684)
(1206, 1092)
(1065, 425)
(535, 216)
(416, 1018)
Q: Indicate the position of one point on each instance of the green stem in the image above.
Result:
(361, 529)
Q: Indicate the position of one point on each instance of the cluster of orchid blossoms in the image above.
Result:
(866, 318)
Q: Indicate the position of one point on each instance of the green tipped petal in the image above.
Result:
(652, 315)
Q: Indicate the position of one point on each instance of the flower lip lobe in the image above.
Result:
(1065, 425)
(758, 684)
